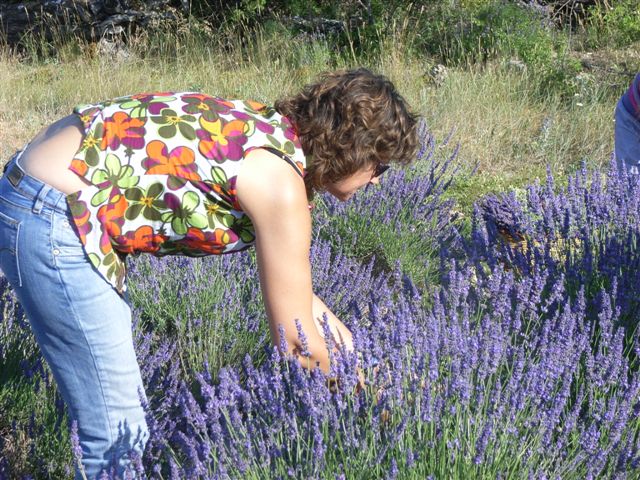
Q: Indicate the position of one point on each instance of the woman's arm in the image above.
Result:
(273, 195)
(341, 334)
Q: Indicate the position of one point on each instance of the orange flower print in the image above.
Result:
(141, 240)
(209, 242)
(122, 129)
(179, 162)
(111, 219)
(254, 106)
(81, 216)
(221, 140)
(79, 166)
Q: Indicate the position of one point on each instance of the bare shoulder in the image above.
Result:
(266, 182)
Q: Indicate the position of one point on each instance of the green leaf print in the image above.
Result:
(190, 201)
(134, 194)
(228, 220)
(115, 270)
(179, 225)
(246, 236)
(148, 203)
(133, 211)
(197, 220)
(155, 190)
(243, 227)
(153, 213)
(250, 128)
(187, 131)
(168, 131)
(109, 259)
(126, 179)
(218, 176)
(99, 176)
(91, 145)
(115, 175)
(101, 196)
(113, 164)
(184, 215)
(91, 157)
(175, 183)
(274, 141)
(289, 148)
(94, 259)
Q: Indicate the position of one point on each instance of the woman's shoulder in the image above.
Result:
(265, 182)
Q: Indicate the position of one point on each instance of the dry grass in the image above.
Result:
(504, 128)
(501, 125)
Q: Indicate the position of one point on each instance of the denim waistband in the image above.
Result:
(37, 192)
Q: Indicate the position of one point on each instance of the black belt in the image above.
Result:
(13, 173)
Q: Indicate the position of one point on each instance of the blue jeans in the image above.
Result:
(83, 326)
(627, 139)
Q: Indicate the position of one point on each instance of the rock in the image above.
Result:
(516, 64)
(438, 74)
(89, 20)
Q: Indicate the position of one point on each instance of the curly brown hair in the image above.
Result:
(348, 120)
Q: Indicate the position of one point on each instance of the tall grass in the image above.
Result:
(503, 124)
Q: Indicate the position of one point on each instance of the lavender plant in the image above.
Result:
(405, 219)
(32, 440)
(497, 379)
(513, 373)
(524, 364)
(210, 307)
(587, 232)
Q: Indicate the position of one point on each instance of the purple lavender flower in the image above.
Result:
(75, 446)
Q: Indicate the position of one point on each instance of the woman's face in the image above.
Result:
(344, 189)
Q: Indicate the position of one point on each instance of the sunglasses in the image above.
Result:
(379, 170)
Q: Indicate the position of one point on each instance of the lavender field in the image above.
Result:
(501, 346)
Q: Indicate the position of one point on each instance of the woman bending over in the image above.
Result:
(181, 173)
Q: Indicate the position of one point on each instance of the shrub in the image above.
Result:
(485, 30)
(614, 24)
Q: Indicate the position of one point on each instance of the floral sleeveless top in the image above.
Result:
(162, 168)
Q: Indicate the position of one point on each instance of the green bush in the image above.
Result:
(480, 31)
(483, 30)
(617, 25)
(352, 26)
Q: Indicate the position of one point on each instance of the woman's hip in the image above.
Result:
(39, 245)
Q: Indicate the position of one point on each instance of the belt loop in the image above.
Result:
(14, 174)
(13, 158)
(39, 202)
